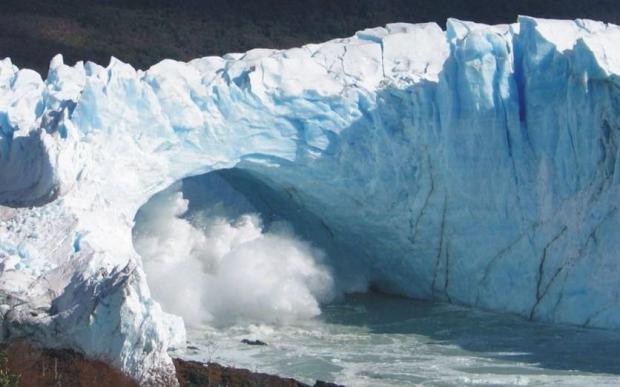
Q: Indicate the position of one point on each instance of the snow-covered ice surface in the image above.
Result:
(476, 166)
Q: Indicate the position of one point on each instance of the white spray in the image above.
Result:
(221, 272)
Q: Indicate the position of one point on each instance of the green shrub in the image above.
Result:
(7, 378)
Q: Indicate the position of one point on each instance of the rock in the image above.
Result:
(43, 367)
(253, 342)
(194, 374)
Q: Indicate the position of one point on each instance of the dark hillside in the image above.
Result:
(142, 32)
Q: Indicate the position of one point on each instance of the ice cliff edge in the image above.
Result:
(476, 165)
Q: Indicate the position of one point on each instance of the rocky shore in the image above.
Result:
(43, 367)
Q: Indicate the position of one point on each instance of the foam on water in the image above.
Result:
(376, 340)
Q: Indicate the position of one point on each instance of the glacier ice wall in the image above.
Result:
(476, 165)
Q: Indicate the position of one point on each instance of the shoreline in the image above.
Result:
(41, 367)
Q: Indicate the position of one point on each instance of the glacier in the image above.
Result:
(475, 165)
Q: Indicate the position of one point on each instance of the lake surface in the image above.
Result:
(378, 340)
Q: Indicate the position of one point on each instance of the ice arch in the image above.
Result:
(476, 165)
(230, 247)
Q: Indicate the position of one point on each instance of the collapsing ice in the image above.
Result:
(219, 263)
(475, 165)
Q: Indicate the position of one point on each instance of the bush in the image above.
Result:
(7, 378)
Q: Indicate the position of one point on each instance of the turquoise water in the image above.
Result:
(377, 340)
